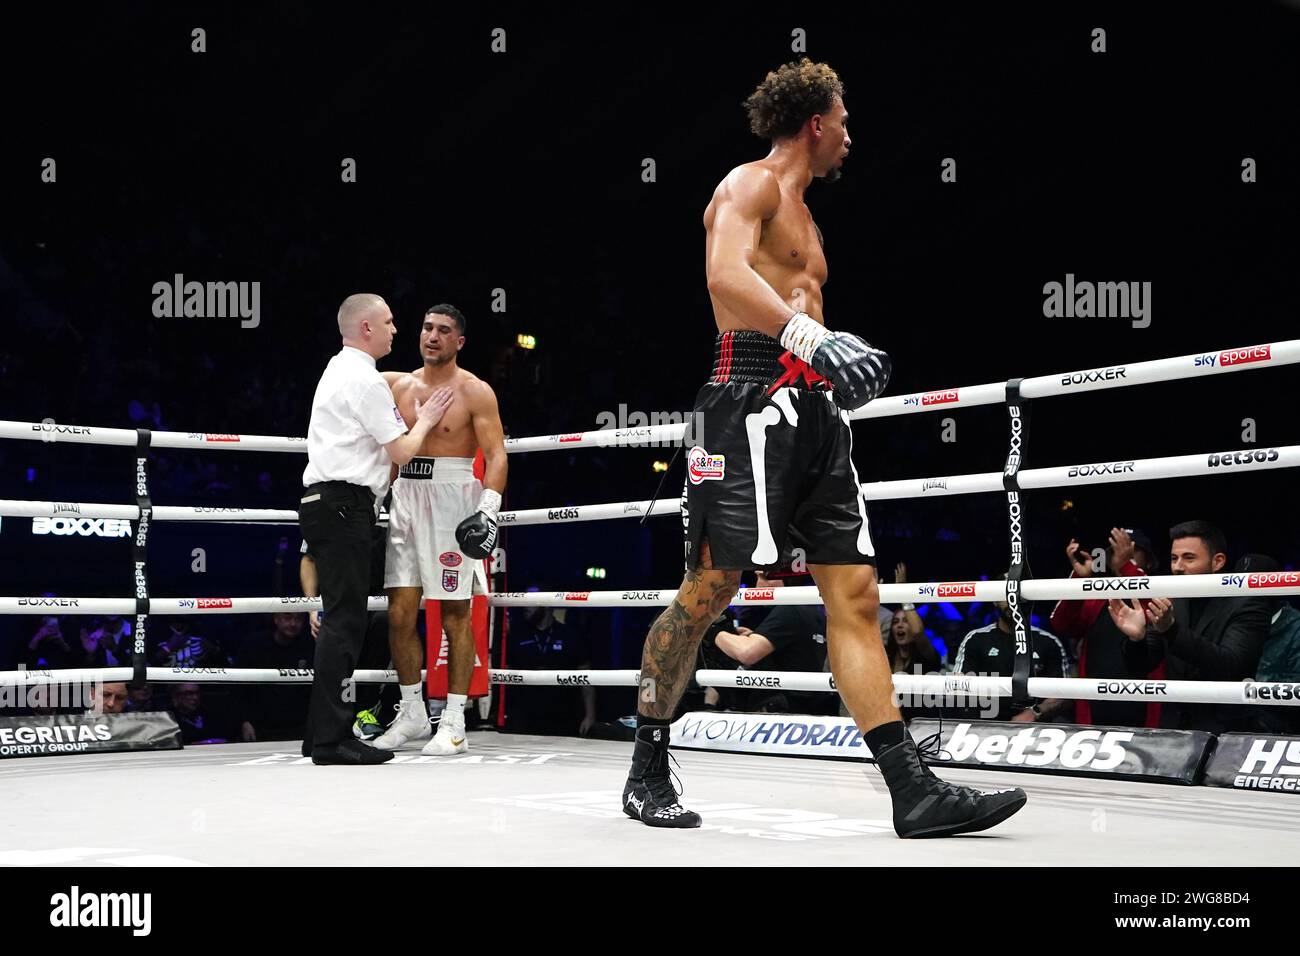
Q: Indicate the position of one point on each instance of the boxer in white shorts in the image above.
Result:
(442, 522)
(430, 497)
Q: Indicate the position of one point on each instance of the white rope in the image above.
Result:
(78, 510)
(649, 435)
(1046, 589)
(1267, 584)
(50, 431)
(1069, 688)
(580, 678)
(571, 513)
(958, 687)
(185, 675)
(1091, 473)
(170, 606)
(1173, 369)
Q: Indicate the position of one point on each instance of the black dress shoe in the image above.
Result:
(306, 748)
(349, 753)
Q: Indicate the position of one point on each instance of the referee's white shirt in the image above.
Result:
(353, 417)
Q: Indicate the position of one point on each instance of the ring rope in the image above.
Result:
(1273, 583)
(939, 685)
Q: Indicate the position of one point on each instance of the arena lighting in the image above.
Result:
(596, 573)
(659, 467)
(526, 341)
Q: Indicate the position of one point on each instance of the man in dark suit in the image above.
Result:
(1198, 638)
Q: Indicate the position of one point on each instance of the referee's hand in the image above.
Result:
(433, 410)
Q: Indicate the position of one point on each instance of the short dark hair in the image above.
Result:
(451, 312)
(791, 95)
(1211, 534)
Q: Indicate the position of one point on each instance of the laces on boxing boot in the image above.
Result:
(651, 795)
(926, 806)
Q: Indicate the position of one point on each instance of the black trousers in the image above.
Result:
(337, 528)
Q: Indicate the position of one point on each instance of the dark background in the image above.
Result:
(521, 171)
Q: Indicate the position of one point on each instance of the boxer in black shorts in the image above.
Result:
(770, 468)
(774, 470)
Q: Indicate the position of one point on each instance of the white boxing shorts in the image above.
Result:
(430, 497)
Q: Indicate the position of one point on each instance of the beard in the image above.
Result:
(442, 358)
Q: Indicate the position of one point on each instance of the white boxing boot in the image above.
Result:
(412, 724)
(450, 738)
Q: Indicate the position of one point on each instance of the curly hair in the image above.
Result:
(789, 95)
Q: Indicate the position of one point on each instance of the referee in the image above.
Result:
(355, 436)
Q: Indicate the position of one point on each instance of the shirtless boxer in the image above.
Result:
(774, 469)
(441, 524)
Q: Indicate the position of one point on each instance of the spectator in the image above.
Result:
(1099, 643)
(141, 700)
(279, 711)
(906, 645)
(908, 649)
(182, 649)
(117, 632)
(98, 647)
(198, 725)
(789, 637)
(1280, 659)
(48, 648)
(107, 698)
(540, 639)
(991, 650)
(1217, 638)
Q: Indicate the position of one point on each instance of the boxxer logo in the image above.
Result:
(1138, 688)
(1116, 584)
(1095, 375)
(1105, 468)
(1017, 430)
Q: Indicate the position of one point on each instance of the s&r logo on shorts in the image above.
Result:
(450, 558)
(701, 466)
(450, 580)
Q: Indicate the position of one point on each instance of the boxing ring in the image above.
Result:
(522, 799)
(555, 801)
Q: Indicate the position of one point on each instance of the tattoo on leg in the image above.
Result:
(674, 637)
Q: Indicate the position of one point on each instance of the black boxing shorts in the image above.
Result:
(770, 466)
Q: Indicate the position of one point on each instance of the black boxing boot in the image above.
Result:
(650, 795)
(925, 806)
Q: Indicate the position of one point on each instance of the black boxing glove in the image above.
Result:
(857, 372)
(477, 534)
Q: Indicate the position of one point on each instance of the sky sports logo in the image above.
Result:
(946, 397)
(75, 910)
(952, 589)
(1255, 353)
(1263, 579)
